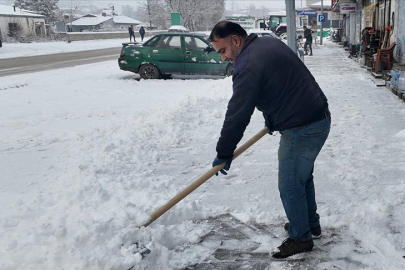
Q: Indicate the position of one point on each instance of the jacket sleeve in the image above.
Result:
(246, 89)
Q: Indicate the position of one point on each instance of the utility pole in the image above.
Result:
(321, 22)
(291, 25)
(71, 17)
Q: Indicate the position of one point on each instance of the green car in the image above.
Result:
(173, 53)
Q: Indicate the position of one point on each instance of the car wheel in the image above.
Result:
(149, 72)
(229, 70)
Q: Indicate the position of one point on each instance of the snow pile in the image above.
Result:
(107, 185)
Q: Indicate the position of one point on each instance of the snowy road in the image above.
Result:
(84, 158)
(21, 65)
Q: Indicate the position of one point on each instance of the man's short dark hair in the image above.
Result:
(304, 26)
(224, 29)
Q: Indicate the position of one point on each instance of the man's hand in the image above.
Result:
(219, 161)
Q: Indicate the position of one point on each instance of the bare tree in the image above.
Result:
(154, 12)
(196, 15)
(128, 11)
(48, 8)
(68, 13)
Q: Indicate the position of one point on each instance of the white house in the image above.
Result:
(22, 22)
(88, 22)
(122, 22)
(91, 22)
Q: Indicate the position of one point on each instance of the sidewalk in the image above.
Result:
(358, 175)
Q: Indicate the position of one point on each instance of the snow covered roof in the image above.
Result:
(91, 21)
(125, 20)
(9, 11)
(177, 27)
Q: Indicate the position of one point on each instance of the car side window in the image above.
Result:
(150, 41)
(161, 42)
(169, 42)
(174, 42)
(194, 43)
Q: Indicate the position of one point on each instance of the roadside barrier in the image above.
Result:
(77, 36)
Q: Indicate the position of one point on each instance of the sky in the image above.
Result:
(87, 153)
(267, 3)
(119, 3)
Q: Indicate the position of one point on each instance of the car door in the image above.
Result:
(169, 54)
(197, 61)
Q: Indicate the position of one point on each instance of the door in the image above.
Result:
(199, 62)
(169, 54)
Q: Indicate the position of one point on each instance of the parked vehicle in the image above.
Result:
(281, 31)
(173, 53)
(275, 19)
(262, 33)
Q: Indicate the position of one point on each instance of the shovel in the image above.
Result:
(181, 195)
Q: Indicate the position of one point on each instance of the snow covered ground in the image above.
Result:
(88, 153)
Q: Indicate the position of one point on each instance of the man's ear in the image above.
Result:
(236, 40)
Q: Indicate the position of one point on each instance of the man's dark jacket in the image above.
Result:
(268, 75)
(308, 34)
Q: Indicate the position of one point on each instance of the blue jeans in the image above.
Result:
(298, 150)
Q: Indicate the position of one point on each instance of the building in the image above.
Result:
(373, 24)
(15, 21)
(88, 22)
(91, 22)
(247, 22)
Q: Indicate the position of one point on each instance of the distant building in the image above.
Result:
(247, 22)
(15, 21)
(88, 22)
(107, 20)
(123, 22)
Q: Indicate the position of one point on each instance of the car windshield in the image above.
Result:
(277, 20)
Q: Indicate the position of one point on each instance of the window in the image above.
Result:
(276, 20)
(169, 42)
(194, 43)
(12, 29)
(150, 41)
(174, 42)
(161, 43)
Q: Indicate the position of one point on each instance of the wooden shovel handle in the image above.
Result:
(181, 195)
